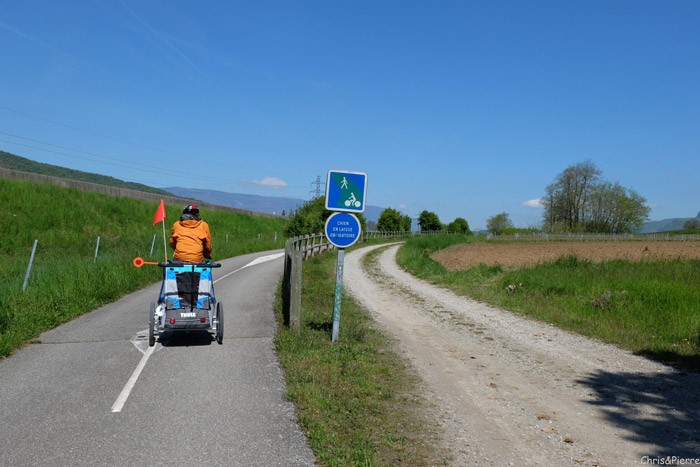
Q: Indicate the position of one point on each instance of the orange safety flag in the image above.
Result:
(160, 213)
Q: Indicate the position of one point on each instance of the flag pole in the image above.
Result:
(160, 217)
(165, 247)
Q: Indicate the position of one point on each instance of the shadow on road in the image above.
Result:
(674, 398)
(186, 339)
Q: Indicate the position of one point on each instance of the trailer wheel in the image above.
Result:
(219, 323)
(152, 326)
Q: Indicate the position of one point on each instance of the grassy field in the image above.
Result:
(66, 279)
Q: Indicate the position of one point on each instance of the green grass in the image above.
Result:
(355, 397)
(649, 307)
(66, 280)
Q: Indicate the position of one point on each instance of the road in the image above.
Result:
(511, 391)
(67, 401)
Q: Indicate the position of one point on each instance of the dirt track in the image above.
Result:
(527, 253)
(511, 391)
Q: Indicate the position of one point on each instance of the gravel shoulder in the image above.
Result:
(508, 390)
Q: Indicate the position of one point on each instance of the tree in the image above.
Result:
(566, 198)
(311, 219)
(579, 201)
(390, 220)
(459, 225)
(498, 224)
(614, 209)
(692, 224)
(429, 221)
(406, 223)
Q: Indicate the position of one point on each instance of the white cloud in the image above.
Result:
(533, 203)
(271, 182)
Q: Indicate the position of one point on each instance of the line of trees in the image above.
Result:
(311, 219)
(391, 220)
(312, 216)
(429, 221)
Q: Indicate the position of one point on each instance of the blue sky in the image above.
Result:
(463, 108)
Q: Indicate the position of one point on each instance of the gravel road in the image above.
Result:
(511, 391)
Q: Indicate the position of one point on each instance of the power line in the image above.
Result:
(131, 165)
(94, 133)
(102, 135)
(75, 150)
(318, 187)
(158, 171)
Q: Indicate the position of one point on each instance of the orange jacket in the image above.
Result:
(191, 240)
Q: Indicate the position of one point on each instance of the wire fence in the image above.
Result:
(591, 237)
(118, 191)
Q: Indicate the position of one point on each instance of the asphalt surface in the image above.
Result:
(66, 401)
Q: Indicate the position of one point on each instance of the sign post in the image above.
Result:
(342, 230)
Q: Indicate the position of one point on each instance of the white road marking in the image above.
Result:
(264, 259)
(124, 395)
(141, 341)
(259, 260)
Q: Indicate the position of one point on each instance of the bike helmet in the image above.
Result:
(191, 209)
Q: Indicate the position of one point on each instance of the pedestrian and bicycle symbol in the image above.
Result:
(352, 201)
(345, 191)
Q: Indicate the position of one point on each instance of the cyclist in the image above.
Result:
(190, 237)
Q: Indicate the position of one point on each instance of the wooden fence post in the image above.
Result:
(295, 289)
(287, 281)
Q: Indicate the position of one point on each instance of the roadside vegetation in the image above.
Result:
(355, 398)
(66, 279)
(649, 307)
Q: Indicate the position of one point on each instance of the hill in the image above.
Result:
(14, 162)
(267, 204)
(667, 225)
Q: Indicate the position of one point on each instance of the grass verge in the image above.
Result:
(355, 398)
(649, 307)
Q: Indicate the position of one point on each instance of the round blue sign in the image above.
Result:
(343, 229)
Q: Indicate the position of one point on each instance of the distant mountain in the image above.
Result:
(14, 162)
(267, 204)
(667, 225)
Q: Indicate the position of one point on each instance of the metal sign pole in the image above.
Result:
(345, 194)
(338, 293)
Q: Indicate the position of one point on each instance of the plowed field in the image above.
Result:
(527, 254)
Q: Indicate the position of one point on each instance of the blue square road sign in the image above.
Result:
(345, 191)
